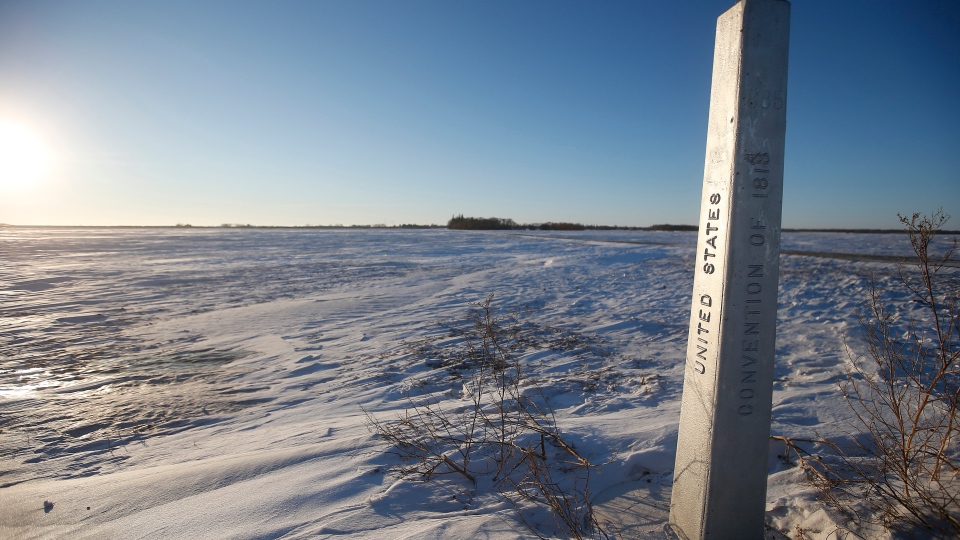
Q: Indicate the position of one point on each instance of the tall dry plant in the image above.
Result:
(902, 466)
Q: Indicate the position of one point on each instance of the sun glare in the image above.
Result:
(23, 157)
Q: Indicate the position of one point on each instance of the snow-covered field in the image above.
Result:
(207, 383)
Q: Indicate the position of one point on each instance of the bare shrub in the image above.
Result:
(502, 433)
(901, 468)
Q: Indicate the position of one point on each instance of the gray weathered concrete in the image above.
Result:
(720, 479)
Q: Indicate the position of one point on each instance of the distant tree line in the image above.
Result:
(482, 224)
(501, 224)
(561, 226)
(498, 224)
(667, 227)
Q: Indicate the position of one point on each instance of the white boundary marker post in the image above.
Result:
(720, 478)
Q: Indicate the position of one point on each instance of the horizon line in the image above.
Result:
(651, 228)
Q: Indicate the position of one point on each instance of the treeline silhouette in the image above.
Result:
(506, 224)
(482, 224)
(500, 224)
(667, 227)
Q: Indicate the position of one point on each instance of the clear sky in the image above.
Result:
(366, 112)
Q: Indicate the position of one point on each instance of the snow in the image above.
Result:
(208, 383)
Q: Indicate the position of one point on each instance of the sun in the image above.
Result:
(24, 159)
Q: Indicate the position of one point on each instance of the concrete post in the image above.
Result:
(720, 479)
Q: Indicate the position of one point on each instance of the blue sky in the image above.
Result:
(364, 112)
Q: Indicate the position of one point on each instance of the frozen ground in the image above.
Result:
(207, 383)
